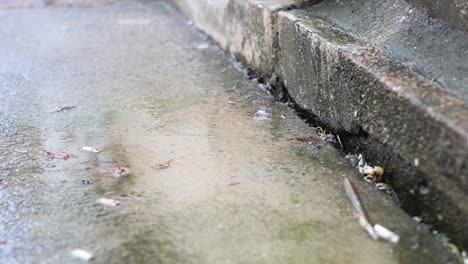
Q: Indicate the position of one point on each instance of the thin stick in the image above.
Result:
(339, 141)
(361, 212)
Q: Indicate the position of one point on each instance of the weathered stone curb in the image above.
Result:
(355, 90)
(245, 29)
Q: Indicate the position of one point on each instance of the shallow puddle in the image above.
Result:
(237, 189)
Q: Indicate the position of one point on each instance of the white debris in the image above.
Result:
(353, 159)
(416, 162)
(386, 234)
(368, 178)
(82, 254)
(108, 202)
(262, 87)
(368, 170)
(383, 186)
(91, 149)
(203, 46)
(424, 190)
(262, 115)
(368, 227)
(361, 162)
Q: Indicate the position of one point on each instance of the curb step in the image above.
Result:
(402, 120)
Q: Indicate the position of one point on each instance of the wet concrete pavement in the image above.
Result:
(148, 89)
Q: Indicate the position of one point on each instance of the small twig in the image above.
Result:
(308, 139)
(339, 141)
(63, 109)
(361, 212)
(321, 130)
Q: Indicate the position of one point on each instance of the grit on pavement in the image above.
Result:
(212, 175)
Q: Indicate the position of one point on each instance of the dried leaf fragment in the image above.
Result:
(164, 165)
(308, 139)
(57, 155)
(119, 171)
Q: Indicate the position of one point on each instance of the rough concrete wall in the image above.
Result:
(454, 12)
(405, 34)
(246, 29)
(243, 28)
(352, 87)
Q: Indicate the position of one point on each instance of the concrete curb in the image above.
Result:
(245, 29)
(354, 88)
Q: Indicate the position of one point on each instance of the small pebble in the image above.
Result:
(315, 146)
(378, 171)
(262, 115)
(424, 190)
(465, 257)
(383, 186)
(368, 178)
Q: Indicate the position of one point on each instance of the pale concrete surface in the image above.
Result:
(148, 88)
(387, 77)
